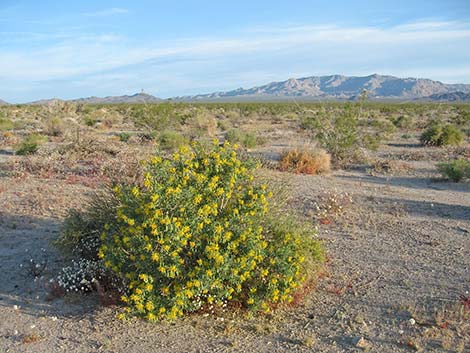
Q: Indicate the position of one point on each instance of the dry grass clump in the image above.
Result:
(389, 167)
(305, 161)
(446, 327)
(8, 138)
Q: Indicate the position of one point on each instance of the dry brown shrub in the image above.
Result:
(389, 167)
(305, 161)
(9, 138)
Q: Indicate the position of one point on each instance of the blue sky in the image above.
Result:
(70, 49)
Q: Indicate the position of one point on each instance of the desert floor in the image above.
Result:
(396, 279)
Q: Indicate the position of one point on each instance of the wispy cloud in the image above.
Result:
(107, 12)
(254, 53)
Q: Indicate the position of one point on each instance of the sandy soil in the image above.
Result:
(398, 265)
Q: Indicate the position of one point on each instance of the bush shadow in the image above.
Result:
(29, 261)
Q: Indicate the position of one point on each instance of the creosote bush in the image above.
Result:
(171, 140)
(456, 170)
(305, 161)
(197, 233)
(340, 134)
(124, 136)
(5, 124)
(54, 126)
(442, 135)
(30, 144)
(247, 139)
(403, 122)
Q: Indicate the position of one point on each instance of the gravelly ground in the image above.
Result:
(398, 264)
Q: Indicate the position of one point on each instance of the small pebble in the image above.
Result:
(360, 342)
(412, 321)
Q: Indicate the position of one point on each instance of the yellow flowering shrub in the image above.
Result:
(193, 234)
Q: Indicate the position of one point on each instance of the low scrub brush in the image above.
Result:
(305, 161)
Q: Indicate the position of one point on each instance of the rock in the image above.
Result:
(361, 342)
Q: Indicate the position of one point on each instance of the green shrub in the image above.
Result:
(30, 144)
(89, 120)
(124, 136)
(222, 125)
(439, 135)
(79, 236)
(250, 140)
(371, 141)
(171, 140)
(197, 233)
(5, 124)
(451, 135)
(246, 139)
(456, 170)
(337, 132)
(462, 118)
(54, 126)
(384, 127)
(403, 122)
(290, 116)
(157, 117)
(431, 135)
(21, 124)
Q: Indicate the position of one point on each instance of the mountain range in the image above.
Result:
(338, 87)
(450, 97)
(314, 88)
(135, 98)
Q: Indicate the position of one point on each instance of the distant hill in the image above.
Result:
(338, 87)
(2, 102)
(46, 101)
(135, 98)
(450, 97)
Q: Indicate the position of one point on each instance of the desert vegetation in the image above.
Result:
(243, 220)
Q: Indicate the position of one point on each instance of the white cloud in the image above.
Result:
(107, 12)
(268, 52)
